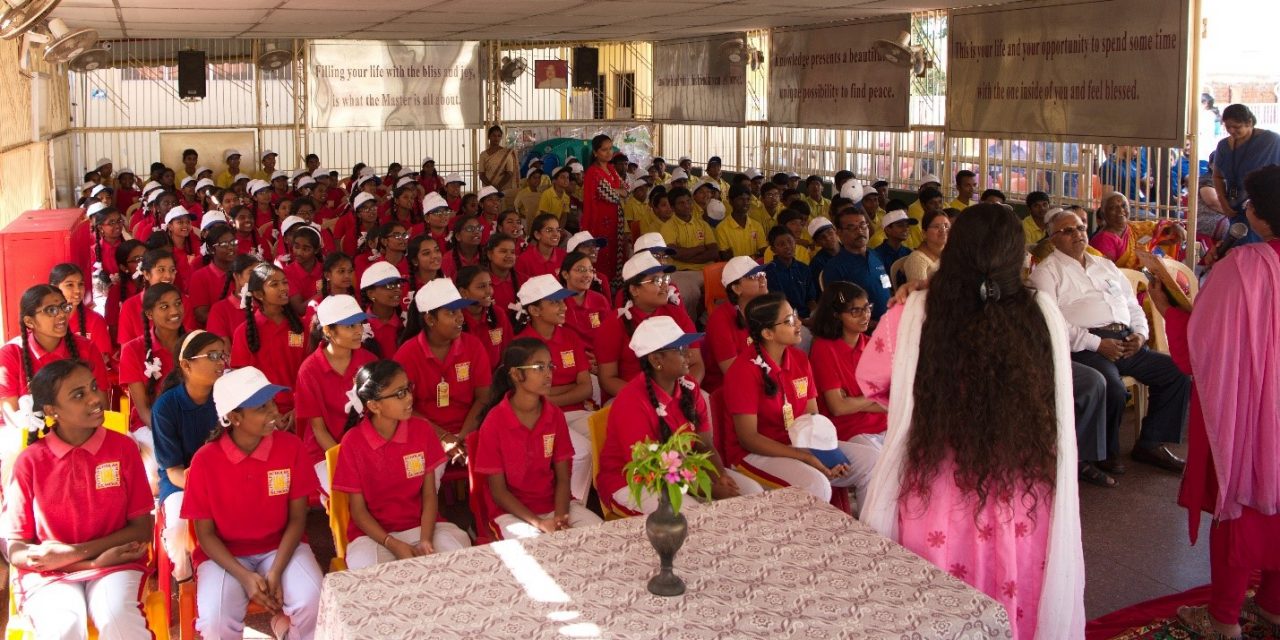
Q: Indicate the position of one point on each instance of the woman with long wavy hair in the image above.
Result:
(978, 471)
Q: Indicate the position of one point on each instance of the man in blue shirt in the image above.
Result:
(856, 263)
(789, 276)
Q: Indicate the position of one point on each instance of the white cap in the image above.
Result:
(245, 388)
(433, 201)
(186, 181)
(276, 175)
(362, 199)
(851, 190)
(753, 173)
(305, 182)
(212, 217)
(241, 176)
(178, 211)
(683, 158)
(440, 293)
(149, 186)
(738, 268)
(793, 175)
(679, 174)
(381, 272)
(363, 179)
(367, 171)
(650, 242)
(929, 177)
(95, 207)
(99, 188)
(660, 332)
(299, 172)
(255, 186)
(226, 155)
(576, 167)
(636, 183)
(131, 172)
(715, 209)
(200, 170)
(583, 237)
(454, 177)
(811, 431)
(643, 263)
(427, 159)
(897, 215)
(817, 224)
(341, 309)
(102, 162)
(289, 222)
(204, 182)
(320, 172)
(155, 195)
(268, 152)
(403, 181)
(487, 191)
(87, 186)
(539, 288)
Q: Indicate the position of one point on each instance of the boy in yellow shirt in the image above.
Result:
(555, 200)
(529, 198)
(738, 234)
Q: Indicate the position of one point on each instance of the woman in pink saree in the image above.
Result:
(1229, 343)
(979, 476)
(1120, 238)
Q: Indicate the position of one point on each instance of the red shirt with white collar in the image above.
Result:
(133, 364)
(567, 355)
(531, 263)
(526, 457)
(389, 474)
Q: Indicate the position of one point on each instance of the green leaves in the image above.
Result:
(672, 466)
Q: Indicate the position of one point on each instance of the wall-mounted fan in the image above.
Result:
(901, 53)
(67, 43)
(90, 60)
(273, 57)
(736, 50)
(18, 16)
(511, 69)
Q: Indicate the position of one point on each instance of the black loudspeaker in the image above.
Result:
(586, 67)
(191, 74)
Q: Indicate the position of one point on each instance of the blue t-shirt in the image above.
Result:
(817, 262)
(888, 255)
(794, 281)
(180, 427)
(1262, 149)
(867, 272)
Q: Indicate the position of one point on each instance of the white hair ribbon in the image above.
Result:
(137, 271)
(625, 311)
(687, 383)
(673, 296)
(661, 410)
(759, 362)
(204, 249)
(374, 255)
(367, 332)
(152, 368)
(115, 278)
(520, 312)
(353, 402)
(363, 236)
(34, 419)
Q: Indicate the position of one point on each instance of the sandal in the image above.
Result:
(1252, 614)
(1197, 619)
(1095, 476)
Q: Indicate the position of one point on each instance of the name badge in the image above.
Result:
(107, 475)
(567, 360)
(495, 336)
(278, 482)
(595, 320)
(801, 385)
(884, 281)
(415, 464)
(295, 340)
(548, 444)
(462, 371)
(788, 415)
(442, 394)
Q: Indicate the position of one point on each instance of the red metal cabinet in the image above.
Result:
(29, 247)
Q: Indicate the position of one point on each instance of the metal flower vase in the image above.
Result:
(666, 530)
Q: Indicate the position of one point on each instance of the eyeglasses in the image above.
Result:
(225, 245)
(1067, 231)
(398, 236)
(541, 367)
(399, 394)
(213, 356)
(113, 222)
(939, 227)
(659, 281)
(54, 310)
(791, 319)
(584, 270)
(392, 286)
(758, 277)
(858, 311)
(472, 228)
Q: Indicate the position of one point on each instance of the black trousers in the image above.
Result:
(1089, 391)
(1167, 407)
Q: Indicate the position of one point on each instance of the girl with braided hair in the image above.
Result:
(247, 238)
(744, 280)
(483, 319)
(438, 213)
(151, 218)
(404, 209)
(390, 466)
(157, 267)
(500, 260)
(305, 270)
(511, 223)
(185, 244)
(352, 231)
(382, 294)
(107, 226)
(544, 256)
(586, 308)
(272, 338)
(227, 314)
(338, 277)
(147, 359)
(654, 405)
(85, 322)
(207, 281)
(466, 249)
(125, 282)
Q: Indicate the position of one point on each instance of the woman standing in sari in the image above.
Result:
(1233, 434)
(602, 212)
(981, 480)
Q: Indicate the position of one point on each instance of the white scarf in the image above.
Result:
(1061, 608)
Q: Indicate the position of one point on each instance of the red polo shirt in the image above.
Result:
(835, 364)
(465, 369)
(132, 369)
(322, 393)
(724, 340)
(613, 342)
(496, 338)
(795, 385)
(247, 495)
(585, 318)
(75, 494)
(453, 262)
(279, 356)
(13, 377)
(130, 326)
(389, 473)
(524, 456)
(95, 331)
(225, 316)
(387, 333)
(531, 263)
(504, 292)
(205, 286)
(633, 419)
(303, 282)
(567, 355)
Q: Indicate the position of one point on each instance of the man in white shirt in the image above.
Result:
(1108, 332)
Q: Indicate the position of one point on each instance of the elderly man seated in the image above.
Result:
(1108, 332)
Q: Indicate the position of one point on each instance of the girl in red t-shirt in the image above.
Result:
(84, 322)
(466, 249)
(500, 260)
(272, 337)
(227, 314)
(484, 320)
(425, 259)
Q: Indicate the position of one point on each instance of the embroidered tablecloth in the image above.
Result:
(777, 565)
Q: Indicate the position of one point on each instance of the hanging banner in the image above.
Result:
(833, 77)
(1093, 70)
(694, 81)
(392, 84)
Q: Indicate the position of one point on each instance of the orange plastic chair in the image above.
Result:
(713, 292)
(597, 426)
(339, 513)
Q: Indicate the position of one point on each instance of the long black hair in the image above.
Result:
(44, 385)
(149, 300)
(415, 245)
(124, 275)
(762, 314)
(29, 306)
(257, 281)
(688, 401)
(465, 277)
(243, 261)
(98, 218)
(517, 354)
(331, 262)
(458, 223)
(371, 383)
(835, 300)
(61, 272)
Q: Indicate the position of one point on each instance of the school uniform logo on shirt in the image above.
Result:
(700, 236)
(415, 464)
(548, 444)
(107, 475)
(295, 340)
(567, 359)
(801, 385)
(462, 371)
(278, 482)
(595, 320)
(495, 336)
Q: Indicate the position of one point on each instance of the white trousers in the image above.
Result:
(580, 436)
(863, 451)
(62, 610)
(221, 602)
(176, 537)
(366, 552)
(513, 527)
(147, 447)
(798, 474)
(649, 501)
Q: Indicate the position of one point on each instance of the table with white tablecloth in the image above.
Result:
(775, 565)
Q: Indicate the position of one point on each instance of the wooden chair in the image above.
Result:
(339, 513)
(713, 292)
(597, 425)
